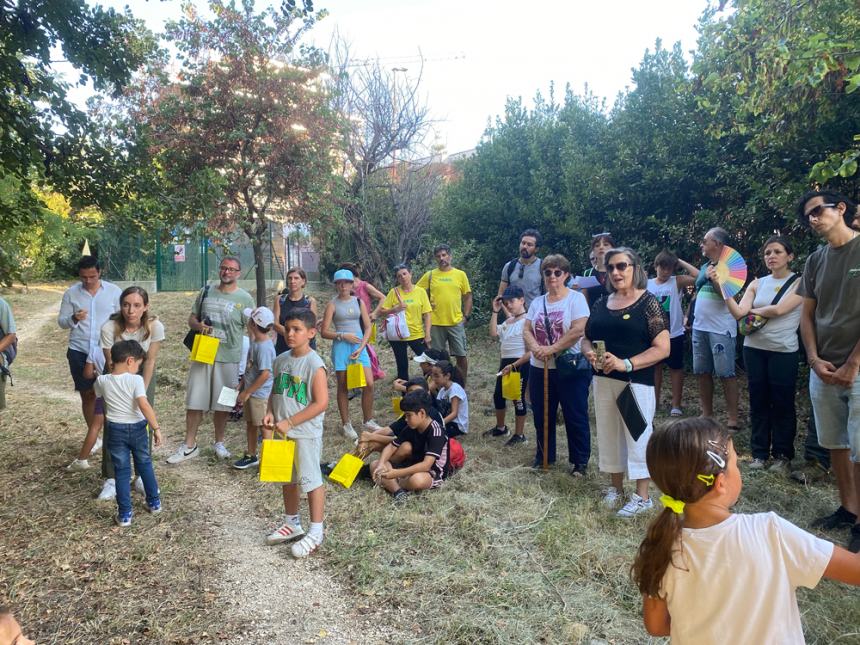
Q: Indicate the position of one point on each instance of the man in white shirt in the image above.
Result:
(85, 307)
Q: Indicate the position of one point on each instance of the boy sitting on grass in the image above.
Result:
(127, 413)
(426, 360)
(258, 380)
(425, 465)
(297, 408)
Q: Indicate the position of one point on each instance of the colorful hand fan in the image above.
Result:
(731, 271)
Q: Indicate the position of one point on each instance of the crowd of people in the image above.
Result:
(562, 334)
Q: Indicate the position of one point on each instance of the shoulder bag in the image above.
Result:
(188, 341)
(751, 323)
(394, 325)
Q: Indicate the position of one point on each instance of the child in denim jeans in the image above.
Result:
(127, 413)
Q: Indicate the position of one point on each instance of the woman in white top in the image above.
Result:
(770, 356)
(132, 322)
(669, 288)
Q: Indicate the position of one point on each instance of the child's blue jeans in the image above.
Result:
(127, 442)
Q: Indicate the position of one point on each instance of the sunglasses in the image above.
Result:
(620, 266)
(604, 234)
(816, 212)
(553, 272)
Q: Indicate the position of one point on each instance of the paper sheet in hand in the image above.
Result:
(228, 396)
(585, 282)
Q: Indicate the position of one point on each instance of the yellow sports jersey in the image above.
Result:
(447, 289)
(417, 304)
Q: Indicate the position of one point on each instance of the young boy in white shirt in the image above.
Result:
(127, 413)
(297, 408)
(257, 379)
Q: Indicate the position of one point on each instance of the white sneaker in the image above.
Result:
(780, 465)
(96, 446)
(221, 450)
(304, 547)
(371, 425)
(611, 498)
(78, 465)
(757, 464)
(635, 506)
(108, 490)
(284, 533)
(349, 432)
(183, 453)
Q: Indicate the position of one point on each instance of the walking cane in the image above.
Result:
(545, 413)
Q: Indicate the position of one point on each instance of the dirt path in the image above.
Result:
(286, 600)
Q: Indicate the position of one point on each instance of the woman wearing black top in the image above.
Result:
(293, 297)
(630, 322)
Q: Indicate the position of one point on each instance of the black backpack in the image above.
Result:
(10, 352)
(513, 265)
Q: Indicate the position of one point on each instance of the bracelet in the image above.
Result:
(628, 365)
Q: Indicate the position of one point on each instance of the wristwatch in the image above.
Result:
(628, 365)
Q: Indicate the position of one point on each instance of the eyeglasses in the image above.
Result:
(228, 270)
(620, 266)
(553, 272)
(816, 212)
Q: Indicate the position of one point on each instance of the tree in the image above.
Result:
(785, 74)
(384, 191)
(243, 134)
(44, 138)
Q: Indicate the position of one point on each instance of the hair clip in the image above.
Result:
(717, 459)
(707, 480)
(674, 505)
(603, 234)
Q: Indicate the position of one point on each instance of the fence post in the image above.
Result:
(158, 279)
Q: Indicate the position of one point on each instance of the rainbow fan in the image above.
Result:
(731, 271)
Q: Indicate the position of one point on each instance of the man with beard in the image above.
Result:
(451, 299)
(524, 270)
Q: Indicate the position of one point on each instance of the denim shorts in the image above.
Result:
(837, 414)
(713, 353)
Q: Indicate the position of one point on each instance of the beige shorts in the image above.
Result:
(255, 410)
(306, 465)
(205, 383)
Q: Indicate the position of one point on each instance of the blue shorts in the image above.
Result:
(837, 414)
(340, 351)
(713, 353)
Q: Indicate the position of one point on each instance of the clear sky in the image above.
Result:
(479, 52)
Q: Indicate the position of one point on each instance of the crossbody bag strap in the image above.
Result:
(786, 285)
(200, 308)
(546, 323)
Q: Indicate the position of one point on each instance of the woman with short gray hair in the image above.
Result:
(629, 322)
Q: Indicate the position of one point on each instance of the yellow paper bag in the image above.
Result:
(372, 339)
(276, 460)
(204, 349)
(346, 470)
(512, 386)
(355, 376)
(395, 404)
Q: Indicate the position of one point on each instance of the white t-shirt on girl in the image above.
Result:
(456, 390)
(511, 337)
(120, 393)
(735, 582)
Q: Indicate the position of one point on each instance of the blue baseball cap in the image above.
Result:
(344, 274)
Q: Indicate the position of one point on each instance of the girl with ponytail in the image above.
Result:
(710, 576)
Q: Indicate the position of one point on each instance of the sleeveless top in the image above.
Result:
(347, 316)
(780, 333)
(669, 297)
(286, 306)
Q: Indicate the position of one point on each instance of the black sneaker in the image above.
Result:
(496, 431)
(842, 518)
(246, 462)
(401, 496)
(578, 470)
(326, 468)
(516, 440)
(854, 542)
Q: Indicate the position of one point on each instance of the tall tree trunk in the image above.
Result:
(259, 268)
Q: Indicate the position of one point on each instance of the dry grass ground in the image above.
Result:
(499, 554)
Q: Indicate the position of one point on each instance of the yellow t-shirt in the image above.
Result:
(447, 289)
(417, 304)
